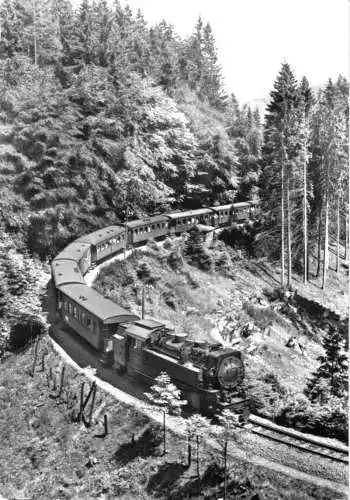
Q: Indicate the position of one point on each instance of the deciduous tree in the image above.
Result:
(166, 396)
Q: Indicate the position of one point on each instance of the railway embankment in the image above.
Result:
(47, 453)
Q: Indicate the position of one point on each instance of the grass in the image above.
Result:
(220, 305)
(204, 303)
(46, 454)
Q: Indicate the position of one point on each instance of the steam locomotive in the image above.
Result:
(209, 375)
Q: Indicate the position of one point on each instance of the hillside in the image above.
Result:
(229, 299)
(47, 454)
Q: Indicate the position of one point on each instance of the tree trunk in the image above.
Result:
(319, 245)
(189, 450)
(198, 473)
(164, 435)
(35, 34)
(143, 302)
(305, 224)
(338, 234)
(225, 470)
(282, 216)
(346, 236)
(289, 236)
(326, 236)
(35, 356)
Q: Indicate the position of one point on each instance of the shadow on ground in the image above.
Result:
(176, 481)
(143, 444)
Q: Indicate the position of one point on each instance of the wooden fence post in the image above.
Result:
(43, 361)
(62, 380)
(106, 424)
(81, 401)
(92, 404)
(35, 356)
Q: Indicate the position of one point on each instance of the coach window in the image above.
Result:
(82, 317)
(136, 231)
(75, 311)
(88, 323)
(94, 327)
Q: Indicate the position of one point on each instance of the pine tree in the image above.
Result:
(332, 374)
(192, 60)
(40, 36)
(278, 175)
(211, 85)
(330, 160)
(11, 27)
(306, 102)
(167, 397)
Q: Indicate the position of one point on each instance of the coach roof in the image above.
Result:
(75, 251)
(222, 207)
(66, 271)
(241, 204)
(102, 235)
(146, 221)
(189, 213)
(106, 310)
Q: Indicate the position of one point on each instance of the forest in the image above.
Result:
(104, 118)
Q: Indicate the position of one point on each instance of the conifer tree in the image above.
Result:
(306, 101)
(11, 27)
(278, 173)
(211, 86)
(330, 163)
(332, 374)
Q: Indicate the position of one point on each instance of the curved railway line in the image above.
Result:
(267, 429)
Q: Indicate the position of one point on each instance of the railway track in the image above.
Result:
(309, 444)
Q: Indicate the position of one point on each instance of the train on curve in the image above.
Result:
(209, 375)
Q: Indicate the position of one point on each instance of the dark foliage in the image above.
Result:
(24, 331)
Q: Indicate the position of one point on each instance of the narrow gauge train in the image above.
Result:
(209, 375)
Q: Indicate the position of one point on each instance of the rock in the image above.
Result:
(291, 342)
(80, 472)
(91, 462)
(66, 481)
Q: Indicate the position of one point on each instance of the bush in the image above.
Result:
(168, 244)
(239, 236)
(144, 272)
(175, 260)
(223, 262)
(25, 330)
(328, 419)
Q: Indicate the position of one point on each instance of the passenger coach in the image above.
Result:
(93, 317)
(105, 242)
(150, 227)
(183, 221)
